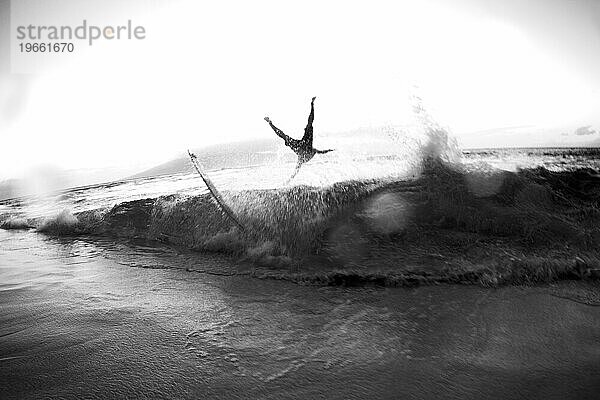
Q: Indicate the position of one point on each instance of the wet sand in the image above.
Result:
(75, 322)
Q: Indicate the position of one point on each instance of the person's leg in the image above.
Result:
(308, 131)
(298, 165)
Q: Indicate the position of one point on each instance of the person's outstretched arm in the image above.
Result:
(308, 131)
(278, 131)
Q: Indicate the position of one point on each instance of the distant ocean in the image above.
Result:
(551, 158)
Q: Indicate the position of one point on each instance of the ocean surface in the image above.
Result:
(319, 172)
(97, 316)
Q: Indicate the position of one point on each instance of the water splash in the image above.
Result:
(62, 223)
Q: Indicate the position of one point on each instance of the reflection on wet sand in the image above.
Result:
(78, 319)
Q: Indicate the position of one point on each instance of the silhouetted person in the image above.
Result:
(304, 147)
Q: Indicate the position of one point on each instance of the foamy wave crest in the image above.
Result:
(63, 223)
(426, 138)
(15, 223)
(438, 143)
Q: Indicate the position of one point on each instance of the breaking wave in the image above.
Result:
(361, 221)
(61, 224)
(15, 223)
(448, 222)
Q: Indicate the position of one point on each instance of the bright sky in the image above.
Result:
(209, 72)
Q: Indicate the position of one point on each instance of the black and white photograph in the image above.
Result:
(387, 199)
